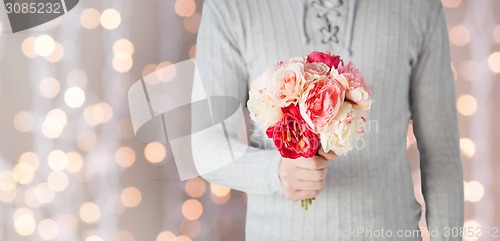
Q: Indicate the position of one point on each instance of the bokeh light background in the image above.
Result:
(70, 168)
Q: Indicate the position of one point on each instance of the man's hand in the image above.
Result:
(304, 178)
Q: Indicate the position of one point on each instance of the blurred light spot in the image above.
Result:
(93, 238)
(164, 73)
(90, 18)
(496, 34)
(8, 196)
(123, 46)
(102, 113)
(472, 225)
(192, 23)
(467, 105)
(89, 212)
(54, 123)
(185, 8)
(220, 199)
(467, 147)
(131, 197)
(122, 62)
(165, 236)
(24, 222)
(459, 35)
(57, 54)
(110, 19)
(451, 3)
(124, 235)
(182, 238)
(469, 69)
(219, 190)
(125, 156)
(67, 223)
(77, 77)
(125, 128)
(192, 209)
(98, 114)
(148, 69)
(28, 47)
(86, 141)
(31, 159)
(155, 152)
(195, 187)
(50, 87)
(58, 181)
(30, 198)
(23, 121)
(48, 229)
(494, 62)
(75, 162)
(192, 51)
(190, 228)
(74, 97)
(57, 160)
(473, 191)
(7, 181)
(44, 45)
(23, 173)
(43, 193)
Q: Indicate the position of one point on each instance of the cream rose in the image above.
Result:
(262, 109)
(343, 130)
(360, 97)
(316, 70)
(288, 81)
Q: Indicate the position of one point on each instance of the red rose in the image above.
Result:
(292, 136)
(326, 58)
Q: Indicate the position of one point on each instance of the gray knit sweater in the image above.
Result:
(401, 47)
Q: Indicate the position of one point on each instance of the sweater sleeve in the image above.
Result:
(223, 72)
(435, 126)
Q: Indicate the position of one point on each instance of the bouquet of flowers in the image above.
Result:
(310, 103)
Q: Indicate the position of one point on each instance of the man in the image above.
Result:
(401, 47)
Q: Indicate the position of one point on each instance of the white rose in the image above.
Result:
(262, 109)
(344, 129)
(359, 96)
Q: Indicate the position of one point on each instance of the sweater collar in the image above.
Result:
(328, 11)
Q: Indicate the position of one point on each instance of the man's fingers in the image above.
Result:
(310, 175)
(309, 185)
(313, 163)
(327, 155)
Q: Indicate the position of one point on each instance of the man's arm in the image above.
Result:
(223, 73)
(435, 126)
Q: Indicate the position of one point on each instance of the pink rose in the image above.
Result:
(288, 81)
(315, 70)
(291, 135)
(358, 91)
(354, 77)
(320, 103)
(296, 60)
(325, 57)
